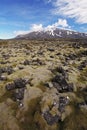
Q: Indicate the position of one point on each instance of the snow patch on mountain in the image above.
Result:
(69, 32)
(50, 32)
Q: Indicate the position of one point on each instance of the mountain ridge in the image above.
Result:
(52, 33)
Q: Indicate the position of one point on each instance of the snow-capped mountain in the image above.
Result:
(52, 33)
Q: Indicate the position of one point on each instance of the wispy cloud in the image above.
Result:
(76, 9)
(21, 32)
(61, 23)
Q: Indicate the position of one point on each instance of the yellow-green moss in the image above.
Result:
(28, 123)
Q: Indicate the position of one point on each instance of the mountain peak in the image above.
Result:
(52, 33)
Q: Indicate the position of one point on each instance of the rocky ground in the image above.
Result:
(43, 85)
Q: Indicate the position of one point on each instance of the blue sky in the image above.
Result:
(23, 16)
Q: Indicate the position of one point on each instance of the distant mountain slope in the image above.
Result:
(53, 33)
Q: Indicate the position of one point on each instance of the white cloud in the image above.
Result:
(36, 27)
(61, 23)
(76, 9)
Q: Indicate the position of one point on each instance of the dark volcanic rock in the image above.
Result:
(84, 53)
(58, 53)
(3, 78)
(50, 49)
(9, 70)
(82, 65)
(40, 53)
(26, 62)
(81, 104)
(71, 87)
(60, 80)
(60, 83)
(20, 83)
(63, 101)
(84, 89)
(50, 118)
(21, 67)
(2, 70)
(76, 45)
(19, 95)
(58, 87)
(3, 62)
(6, 56)
(72, 56)
(18, 87)
(10, 86)
(62, 71)
(51, 56)
(37, 62)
